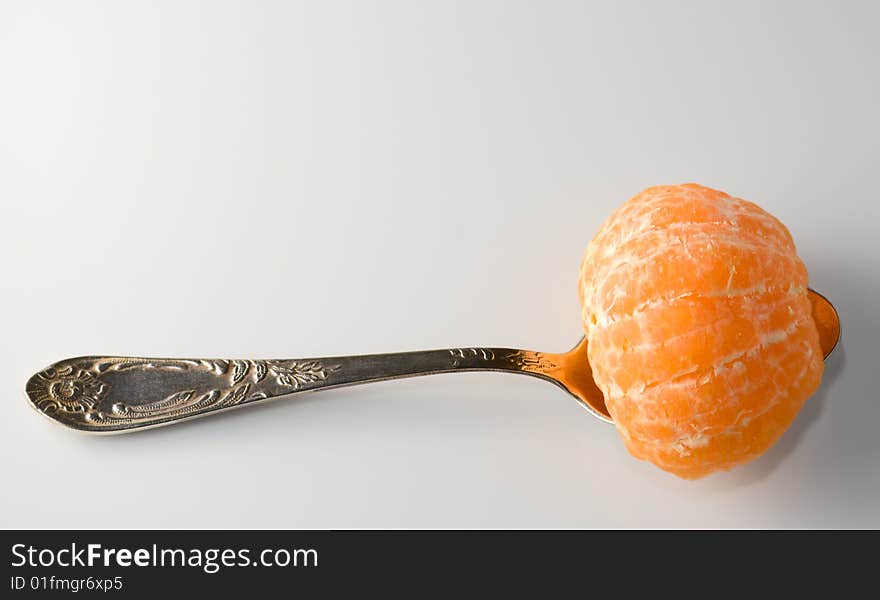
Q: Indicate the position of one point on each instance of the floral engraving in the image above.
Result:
(65, 389)
(295, 374)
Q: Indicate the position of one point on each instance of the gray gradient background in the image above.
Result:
(282, 179)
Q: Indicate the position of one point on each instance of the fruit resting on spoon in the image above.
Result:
(699, 327)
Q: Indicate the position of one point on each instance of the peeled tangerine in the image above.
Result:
(699, 327)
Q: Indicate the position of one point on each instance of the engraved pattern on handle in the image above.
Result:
(503, 359)
(80, 392)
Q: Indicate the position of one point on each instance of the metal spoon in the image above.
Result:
(100, 394)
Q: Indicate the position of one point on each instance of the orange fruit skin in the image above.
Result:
(699, 326)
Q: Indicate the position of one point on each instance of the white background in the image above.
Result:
(277, 179)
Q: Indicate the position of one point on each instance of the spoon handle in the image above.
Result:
(118, 394)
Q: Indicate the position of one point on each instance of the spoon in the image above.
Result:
(99, 394)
